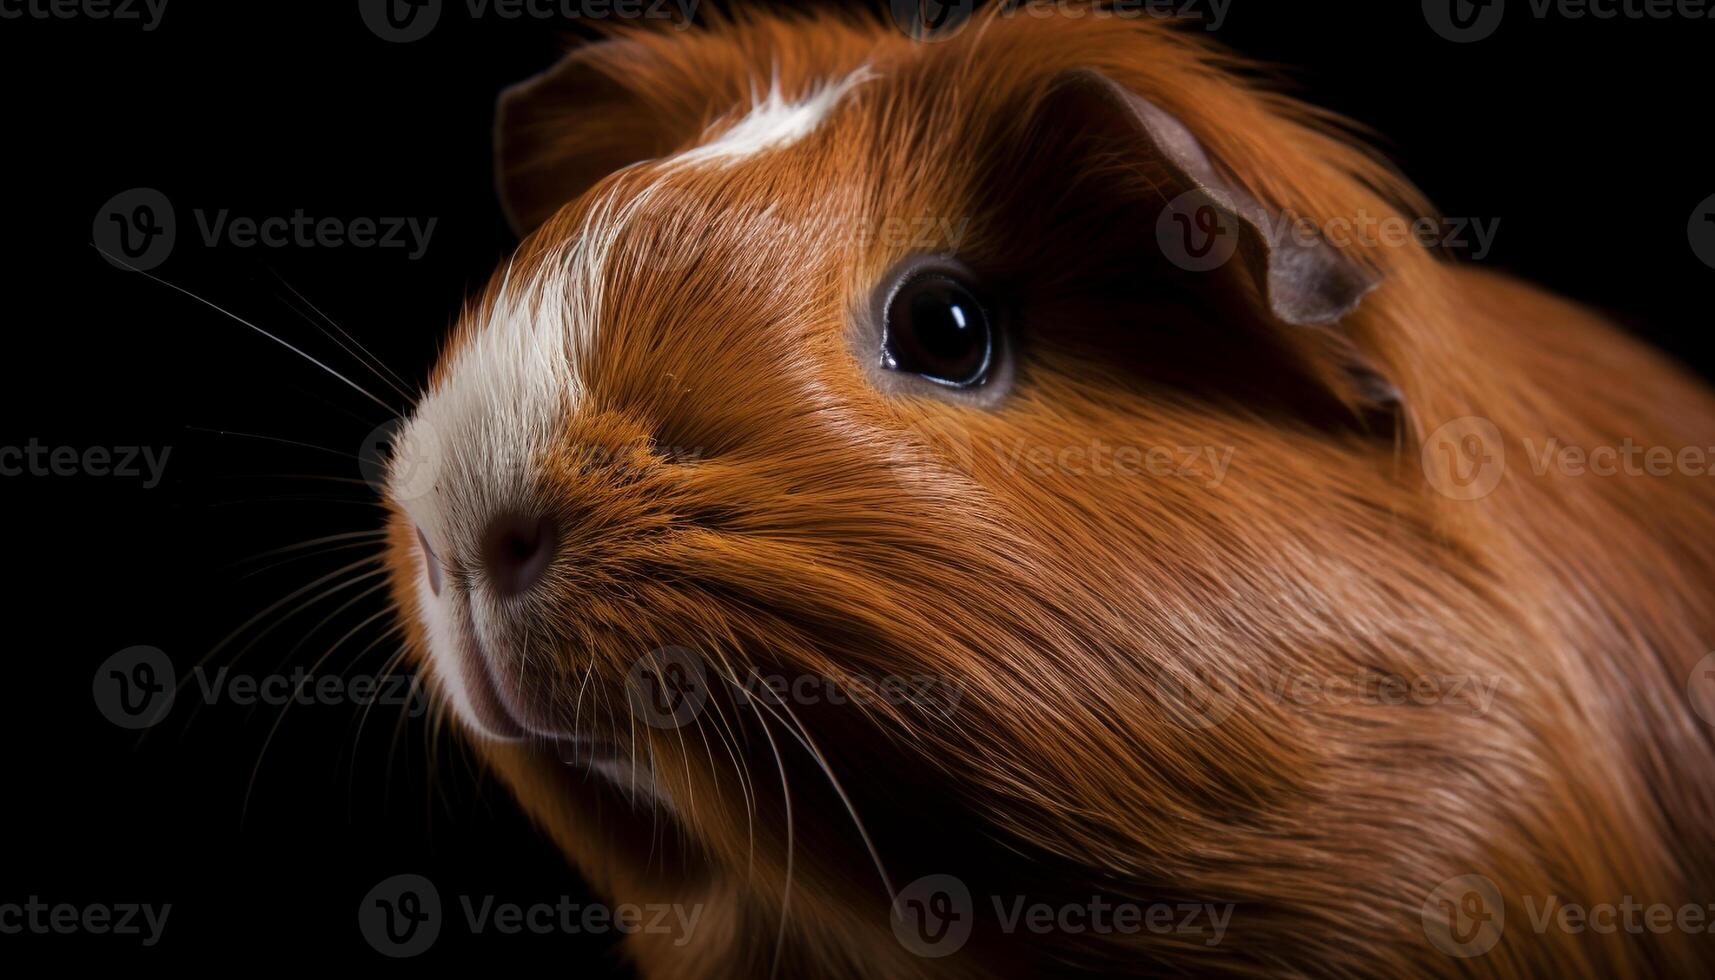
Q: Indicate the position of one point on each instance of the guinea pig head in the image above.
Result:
(862, 470)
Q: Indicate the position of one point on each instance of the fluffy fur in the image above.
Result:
(671, 368)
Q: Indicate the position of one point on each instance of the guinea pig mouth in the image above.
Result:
(500, 710)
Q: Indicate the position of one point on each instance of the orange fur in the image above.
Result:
(827, 528)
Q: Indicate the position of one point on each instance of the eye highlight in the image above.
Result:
(935, 326)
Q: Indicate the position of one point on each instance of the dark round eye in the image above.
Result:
(935, 327)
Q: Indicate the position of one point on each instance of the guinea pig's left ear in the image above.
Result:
(1304, 280)
(557, 134)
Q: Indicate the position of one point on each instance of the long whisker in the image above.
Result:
(391, 411)
(791, 837)
(375, 364)
(799, 732)
(278, 439)
(280, 719)
(311, 543)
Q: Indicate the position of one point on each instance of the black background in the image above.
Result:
(1585, 138)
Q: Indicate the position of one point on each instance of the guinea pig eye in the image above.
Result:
(935, 327)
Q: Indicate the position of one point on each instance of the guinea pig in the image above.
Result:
(863, 517)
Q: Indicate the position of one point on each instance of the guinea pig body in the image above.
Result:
(856, 516)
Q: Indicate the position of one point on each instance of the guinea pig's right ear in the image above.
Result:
(559, 133)
(1304, 280)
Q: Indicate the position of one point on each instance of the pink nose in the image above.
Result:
(516, 552)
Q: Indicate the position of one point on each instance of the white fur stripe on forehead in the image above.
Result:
(507, 389)
(774, 122)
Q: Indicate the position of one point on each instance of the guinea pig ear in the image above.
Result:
(559, 133)
(1303, 280)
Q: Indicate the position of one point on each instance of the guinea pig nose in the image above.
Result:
(516, 551)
